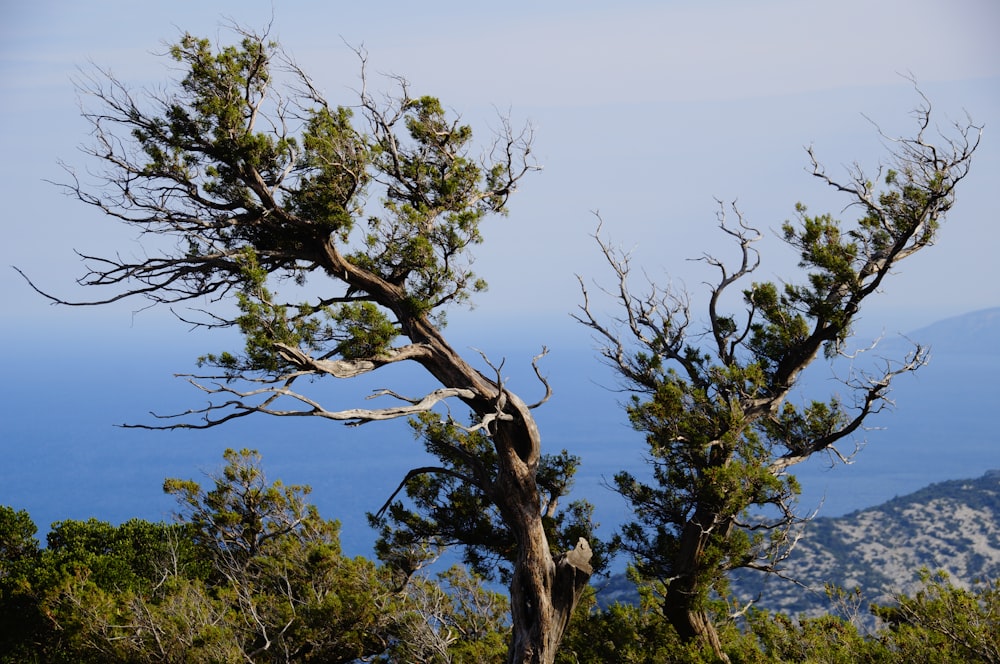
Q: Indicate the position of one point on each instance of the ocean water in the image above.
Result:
(64, 458)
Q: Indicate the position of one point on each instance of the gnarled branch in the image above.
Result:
(350, 368)
(242, 406)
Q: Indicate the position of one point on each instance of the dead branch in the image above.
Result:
(350, 368)
(242, 407)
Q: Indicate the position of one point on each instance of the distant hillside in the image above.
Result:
(939, 427)
(975, 332)
(954, 526)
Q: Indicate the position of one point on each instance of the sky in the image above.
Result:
(645, 112)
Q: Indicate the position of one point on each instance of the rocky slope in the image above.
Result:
(952, 526)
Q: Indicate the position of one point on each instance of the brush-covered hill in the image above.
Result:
(941, 427)
(952, 526)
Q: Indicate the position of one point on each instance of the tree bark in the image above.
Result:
(543, 594)
(681, 606)
(544, 589)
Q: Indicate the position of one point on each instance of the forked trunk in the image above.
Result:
(543, 594)
(544, 589)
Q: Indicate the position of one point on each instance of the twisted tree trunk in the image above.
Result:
(545, 589)
(682, 605)
(544, 592)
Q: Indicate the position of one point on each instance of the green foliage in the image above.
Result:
(367, 331)
(250, 573)
(447, 508)
(942, 622)
(360, 330)
(17, 541)
(335, 164)
(276, 582)
(435, 200)
(634, 633)
(144, 592)
(207, 133)
(242, 513)
(49, 607)
(452, 619)
(22, 624)
(707, 459)
(129, 557)
(451, 505)
(275, 559)
(265, 323)
(259, 179)
(716, 405)
(774, 638)
(622, 633)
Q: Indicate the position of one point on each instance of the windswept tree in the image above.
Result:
(716, 403)
(243, 177)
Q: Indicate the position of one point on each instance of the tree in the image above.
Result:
(250, 573)
(717, 405)
(17, 540)
(22, 625)
(442, 510)
(94, 581)
(452, 620)
(945, 623)
(242, 177)
(286, 589)
(64, 603)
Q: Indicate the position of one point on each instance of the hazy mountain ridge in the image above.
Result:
(974, 332)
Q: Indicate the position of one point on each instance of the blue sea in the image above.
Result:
(63, 457)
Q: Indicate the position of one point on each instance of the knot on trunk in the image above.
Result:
(578, 557)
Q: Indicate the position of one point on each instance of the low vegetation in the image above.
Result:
(250, 572)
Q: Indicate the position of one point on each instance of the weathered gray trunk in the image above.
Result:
(543, 594)
(544, 589)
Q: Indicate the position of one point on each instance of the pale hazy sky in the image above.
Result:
(645, 111)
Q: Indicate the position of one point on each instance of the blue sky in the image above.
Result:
(647, 112)
(644, 111)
